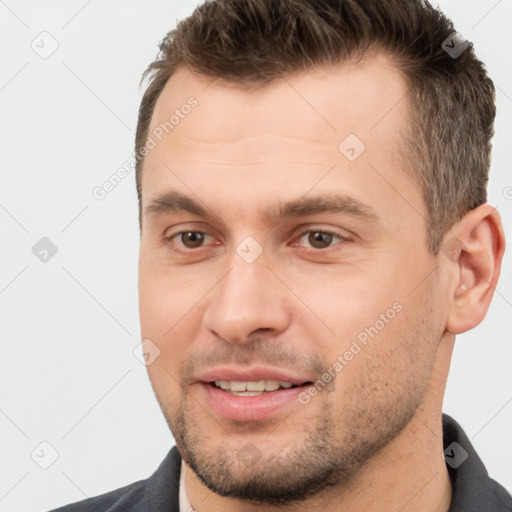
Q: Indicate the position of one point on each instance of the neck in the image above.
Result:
(409, 474)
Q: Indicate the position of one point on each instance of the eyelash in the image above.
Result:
(340, 238)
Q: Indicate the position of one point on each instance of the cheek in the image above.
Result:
(390, 365)
(366, 326)
(166, 298)
(342, 301)
(168, 312)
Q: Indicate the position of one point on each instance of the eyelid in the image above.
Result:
(197, 227)
(342, 237)
(323, 229)
(170, 238)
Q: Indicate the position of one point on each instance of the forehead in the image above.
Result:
(278, 139)
(326, 99)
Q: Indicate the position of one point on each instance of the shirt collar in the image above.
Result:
(185, 505)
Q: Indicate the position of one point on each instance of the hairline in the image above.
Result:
(408, 157)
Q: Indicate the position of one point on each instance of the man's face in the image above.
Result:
(304, 261)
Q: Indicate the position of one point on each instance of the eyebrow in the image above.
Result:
(173, 202)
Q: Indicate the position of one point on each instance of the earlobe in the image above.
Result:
(479, 235)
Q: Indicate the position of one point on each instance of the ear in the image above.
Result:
(475, 247)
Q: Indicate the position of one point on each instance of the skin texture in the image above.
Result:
(372, 438)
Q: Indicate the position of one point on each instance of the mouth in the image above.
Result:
(253, 388)
(251, 397)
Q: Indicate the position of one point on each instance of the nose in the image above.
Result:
(248, 300)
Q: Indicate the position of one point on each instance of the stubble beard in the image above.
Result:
(320, 460)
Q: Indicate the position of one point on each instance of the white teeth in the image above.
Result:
(247, 393)
(255, 386)
(252, 388)
(238, 386)
(271, 385)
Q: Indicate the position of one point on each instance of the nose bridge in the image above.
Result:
(248, 298)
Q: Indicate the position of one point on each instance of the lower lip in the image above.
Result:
(249, 408)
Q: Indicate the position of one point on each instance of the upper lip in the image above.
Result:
(230, 373)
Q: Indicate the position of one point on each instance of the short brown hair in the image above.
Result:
(253, 42)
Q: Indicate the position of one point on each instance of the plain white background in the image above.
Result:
(68, 373)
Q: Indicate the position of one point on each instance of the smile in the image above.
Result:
(251, 400)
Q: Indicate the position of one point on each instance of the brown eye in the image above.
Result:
(192, 239)
(320, 239)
